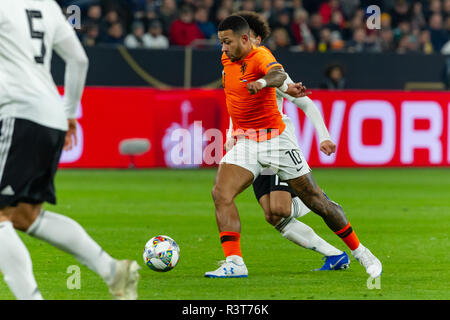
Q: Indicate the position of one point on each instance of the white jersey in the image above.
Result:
(280, 104)
(304, 103)
(29, 30)
(280, 98)
(308, 107)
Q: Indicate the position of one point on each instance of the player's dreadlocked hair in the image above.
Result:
(235, 23)
(256, 23)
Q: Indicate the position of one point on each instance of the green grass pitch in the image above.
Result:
(402, 215)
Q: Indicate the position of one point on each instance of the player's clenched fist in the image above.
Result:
(254, 87)
(327, 147)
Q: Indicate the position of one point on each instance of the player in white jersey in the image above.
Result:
(280, 204)
(36, 124)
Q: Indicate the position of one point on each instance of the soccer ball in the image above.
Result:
(161, 253)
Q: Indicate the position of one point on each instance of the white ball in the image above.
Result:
(161, 253)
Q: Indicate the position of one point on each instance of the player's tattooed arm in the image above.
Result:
(274, 78)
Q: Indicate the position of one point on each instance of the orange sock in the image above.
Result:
(231, 243)
(348, 236)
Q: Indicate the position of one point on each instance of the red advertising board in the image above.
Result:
(186, 128)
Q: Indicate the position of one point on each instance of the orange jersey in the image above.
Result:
(257, 113)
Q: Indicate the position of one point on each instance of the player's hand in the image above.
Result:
(254, 87)
(229, 144)
(297, 90)
(71, 135)
(327, 147)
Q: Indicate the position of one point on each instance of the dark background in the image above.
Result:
(374, 71)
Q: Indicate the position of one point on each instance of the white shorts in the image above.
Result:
(281, 154)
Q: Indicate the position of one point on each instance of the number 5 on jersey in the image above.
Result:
(36, 14)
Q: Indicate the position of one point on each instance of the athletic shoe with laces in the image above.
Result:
(337, 262)
(124, 284)
(368, 260)
(230, 268)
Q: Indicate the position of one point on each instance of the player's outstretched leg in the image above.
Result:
(303, 235)
(281, 210)
(66, 234)
(231, 180)
(333, 215)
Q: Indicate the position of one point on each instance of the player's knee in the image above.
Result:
(215, 193)
(272, 219)
(24, 215)
(221, 196)
(280, 209)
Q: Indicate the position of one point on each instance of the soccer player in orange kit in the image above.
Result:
(250, 77)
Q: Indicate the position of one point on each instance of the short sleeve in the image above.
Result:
(267, 61)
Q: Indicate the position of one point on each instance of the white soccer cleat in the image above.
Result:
(124, 285)
(230, 268)
(369, 261)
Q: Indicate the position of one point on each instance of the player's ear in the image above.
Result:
(258, 40)
(245, 38)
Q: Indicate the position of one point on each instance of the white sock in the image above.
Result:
(67, 235)
(357, 252)
(236, 259)
(304, 236)
(15, 264)
(298, 208)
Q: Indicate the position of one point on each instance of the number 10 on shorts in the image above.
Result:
(295, 156)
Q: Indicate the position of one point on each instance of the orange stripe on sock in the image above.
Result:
(231, 243)
(349, 237)
(343, 229)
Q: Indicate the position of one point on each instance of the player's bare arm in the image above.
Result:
(274, 78)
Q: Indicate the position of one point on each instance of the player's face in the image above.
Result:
(233, 45)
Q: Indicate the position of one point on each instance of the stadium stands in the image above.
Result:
(308, 25)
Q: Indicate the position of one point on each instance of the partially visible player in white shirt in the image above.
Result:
(33, 117)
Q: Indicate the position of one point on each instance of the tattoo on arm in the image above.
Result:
(275, 77)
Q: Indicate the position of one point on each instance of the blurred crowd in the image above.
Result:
(298, 25)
